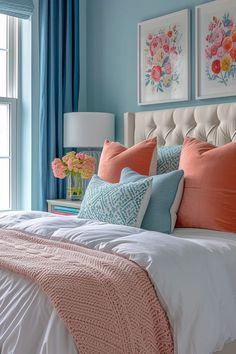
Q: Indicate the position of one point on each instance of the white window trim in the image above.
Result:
(11, 100)
(12, 70)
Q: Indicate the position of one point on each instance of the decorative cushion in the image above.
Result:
(168, 158)
(209, 198)
(141, 158)
(166, 195)
(116, 203)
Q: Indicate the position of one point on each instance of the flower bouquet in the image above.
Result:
(220, 50)
(162, 54)
(74, 166)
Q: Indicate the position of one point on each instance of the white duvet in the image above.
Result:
(193, 273)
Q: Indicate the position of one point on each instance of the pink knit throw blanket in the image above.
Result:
(107, 302)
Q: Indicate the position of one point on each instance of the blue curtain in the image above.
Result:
(59, 85)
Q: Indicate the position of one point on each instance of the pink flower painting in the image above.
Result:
(162, 54)
(220, 49)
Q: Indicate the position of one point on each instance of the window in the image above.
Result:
(8, 101)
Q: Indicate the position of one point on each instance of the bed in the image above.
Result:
(25, 308)
(215, 124)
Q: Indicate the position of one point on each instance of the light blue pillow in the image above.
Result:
(116, 203)
(168, 158)
(167, 190)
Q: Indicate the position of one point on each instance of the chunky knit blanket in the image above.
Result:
(107, 302)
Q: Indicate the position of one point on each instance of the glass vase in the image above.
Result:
(74, 188)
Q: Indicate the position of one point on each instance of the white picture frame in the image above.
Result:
(215, 66)
(164, 58)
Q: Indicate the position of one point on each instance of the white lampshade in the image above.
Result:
(88, 129)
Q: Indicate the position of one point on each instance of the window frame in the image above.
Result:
(11, 100)
(12, 104)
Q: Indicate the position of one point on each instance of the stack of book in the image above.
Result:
(64, 210)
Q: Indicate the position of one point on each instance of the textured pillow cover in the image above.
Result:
(209, 198)
(116, 203)
(140, 157)
(168, 158)
(166, 195)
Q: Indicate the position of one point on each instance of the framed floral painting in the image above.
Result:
(163, 59)
(216, 49)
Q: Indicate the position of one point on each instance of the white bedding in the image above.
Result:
(193, 272)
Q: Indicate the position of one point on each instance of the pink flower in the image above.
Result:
(150, 37)
(214, 50)
(80, 156)
(155, 45)
(165, 42)
(58, 168)
(166, 48)
(74, 163)
(168, 68)
(217, 36)
(220, 52)
(156, 73)
(209, 38)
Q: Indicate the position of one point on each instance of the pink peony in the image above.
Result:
(156, 73)
(214, 50)
(58, 168)
(217, 36)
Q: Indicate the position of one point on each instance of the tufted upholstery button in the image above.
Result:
(213, 123)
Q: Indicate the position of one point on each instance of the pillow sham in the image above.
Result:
(209, 198)
(115, 203)
(168, 158)
(166, 195)
(140, 157)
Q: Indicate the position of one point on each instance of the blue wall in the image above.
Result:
(112, 54)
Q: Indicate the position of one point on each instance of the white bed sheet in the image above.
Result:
(193, 273)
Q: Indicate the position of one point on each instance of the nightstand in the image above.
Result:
(64, 206)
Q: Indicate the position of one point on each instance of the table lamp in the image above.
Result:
(88, 129)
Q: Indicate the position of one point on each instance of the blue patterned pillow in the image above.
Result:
(116, 203)
(168, 158)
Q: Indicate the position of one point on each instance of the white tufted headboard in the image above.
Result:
(214, 123)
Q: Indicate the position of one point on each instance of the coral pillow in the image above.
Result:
(140, 158)
(209, 198)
